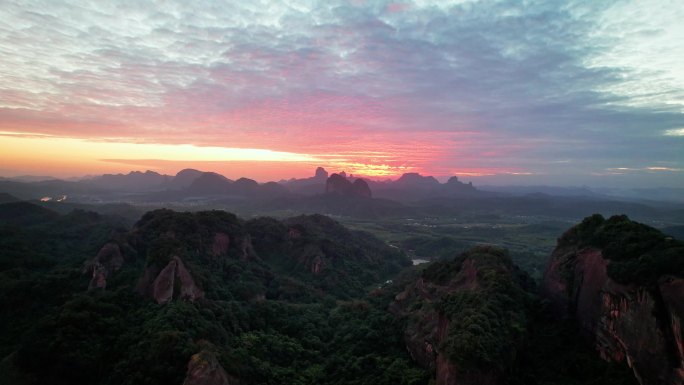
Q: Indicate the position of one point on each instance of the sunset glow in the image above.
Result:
(478, 89)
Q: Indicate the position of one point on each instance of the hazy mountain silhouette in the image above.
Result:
(184, 179)
(133, 181)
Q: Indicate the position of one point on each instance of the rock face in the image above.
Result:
(173, 281)
(107, 261)
(204, 369)
(317, 250)
(637, 324)
(430, 319)
(162, 287)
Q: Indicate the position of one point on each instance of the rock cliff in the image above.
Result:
(626, 304)
(107, 261)
(173, 281)
(464, 317)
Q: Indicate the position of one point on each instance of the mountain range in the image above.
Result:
(208, 297)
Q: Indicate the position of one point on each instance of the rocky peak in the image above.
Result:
(630, 318)
(455, 185)
(321, 174)
(173, 281)
(361, 188)
(338, 184)
(415, 180)
(442, 305)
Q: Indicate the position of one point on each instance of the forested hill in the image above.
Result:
(263, 301)
(208, 297)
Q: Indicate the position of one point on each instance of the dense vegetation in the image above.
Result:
(296, 301)
(639, 254)
(498, 326)
(487, 323)
(307, 330)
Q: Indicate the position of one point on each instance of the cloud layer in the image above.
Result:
(547, 88)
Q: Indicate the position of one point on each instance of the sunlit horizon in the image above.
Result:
(498, 92)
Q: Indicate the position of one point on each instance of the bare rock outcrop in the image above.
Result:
(162, 287)
(107, 261)
(635, 324)
(171, 282)
(428, 330)
(204, 369)
(429, 324)
(246, 248)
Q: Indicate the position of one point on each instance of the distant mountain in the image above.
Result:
(245, 186)
(274, 189)
(337, 184)
(216, 185)
(30, 178)
(48, 188)
(209, 183)
(133, 181)
(308, 186)
(413, 186)
(655, 194)
(414, 180)
(184, 179)
(549, 190)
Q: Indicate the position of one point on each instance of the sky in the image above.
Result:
(497, 92)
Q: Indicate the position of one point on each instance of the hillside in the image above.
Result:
(207, 296)
(623, 282)
(262, 301)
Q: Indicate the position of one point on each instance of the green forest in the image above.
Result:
(303, 300)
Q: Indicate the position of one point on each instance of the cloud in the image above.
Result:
(675, 132)
(433, 85)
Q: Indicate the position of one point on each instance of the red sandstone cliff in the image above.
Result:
(173, 281)
(637, 325)
(428, 328)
